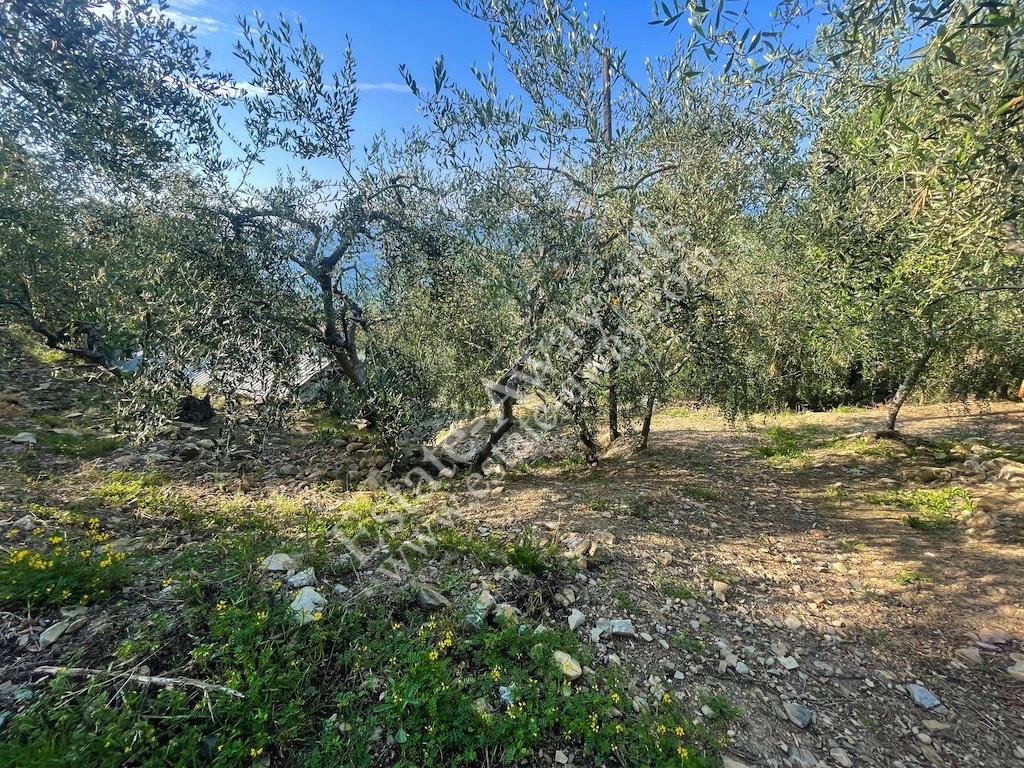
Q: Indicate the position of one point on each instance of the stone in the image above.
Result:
(732, 762)
(801, 757)
(25, 438)
(576, 618)
(721, 590)
(340, 589)
(278, 563)
(993, 636)
(1017, 671)
(287, 470)
(798, 714)
(788, 662)
(933, 756)
(483, 707)
(26, 523)
(431, 600)
(922, 696)
(647, 637)
(970, 654)
(307, 604)
(166, 594)
(620, 627)
(567, 664)
(188, 451)
(792, 623)
(841, 757)
(483, 607)
(506, 613)
(934, 725)
(742, 668)
(306, 578)
(53, 633)
(561, 758)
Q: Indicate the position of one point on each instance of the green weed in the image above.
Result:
(61, 569)
(906, 578)
(931, 509)
(378, 683)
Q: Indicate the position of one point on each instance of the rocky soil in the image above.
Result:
(845, 636)
(789, 589)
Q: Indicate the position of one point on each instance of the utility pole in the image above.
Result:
(613, 389)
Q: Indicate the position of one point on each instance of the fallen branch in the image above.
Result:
(145, 679)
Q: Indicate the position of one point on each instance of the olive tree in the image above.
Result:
(917, 174)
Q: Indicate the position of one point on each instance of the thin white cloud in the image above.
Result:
(392, 87)
(241, 90)
(178, 12)
(204, 25)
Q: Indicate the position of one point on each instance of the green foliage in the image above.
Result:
(680, 590)
(78, 445)
(789, 443)
(931, 509)
(687, 642)
(367, 685)
(62, 569)
(532, 555)
(906, 578)
(721, 707)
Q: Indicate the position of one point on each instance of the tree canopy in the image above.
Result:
(755, 223)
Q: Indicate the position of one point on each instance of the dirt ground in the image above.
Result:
(861, 601)
(762, 564)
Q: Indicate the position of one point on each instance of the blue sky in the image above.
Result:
(412, 32)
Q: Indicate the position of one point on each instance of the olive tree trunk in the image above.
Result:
(913, 376)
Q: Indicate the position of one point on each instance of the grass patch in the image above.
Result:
(687, 642)
(679, 590)
(787, 444)
(546, 465)
(906, 578)
(76, 445)
(721, 708)
(929, 509)
(625, 601)
(486, 550)
(62, 568)
(602, 505)
(849, 546)
(724, 576)
(862, 446)
(123, 486)
(376, 683)
(700, 493)
(532, 555)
